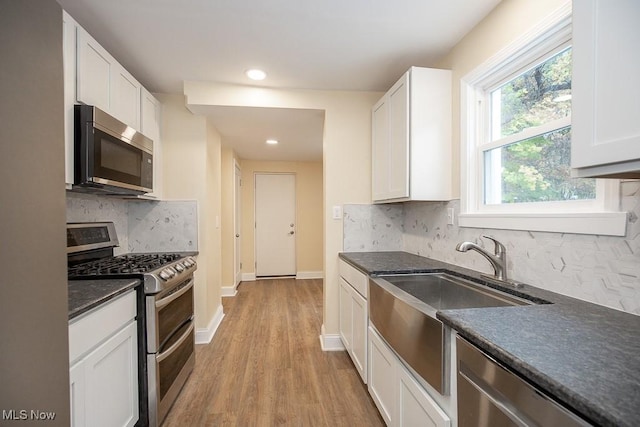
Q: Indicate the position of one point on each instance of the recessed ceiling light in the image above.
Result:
(271, 141)
(255, 74)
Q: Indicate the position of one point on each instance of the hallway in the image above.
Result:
(265, 367)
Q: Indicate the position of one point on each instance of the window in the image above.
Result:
(516, 142)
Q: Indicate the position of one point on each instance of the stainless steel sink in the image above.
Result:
(443, 292)
(403, 309)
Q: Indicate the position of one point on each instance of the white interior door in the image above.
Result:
(275, 196)
(237, 197)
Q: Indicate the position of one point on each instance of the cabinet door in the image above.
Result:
(382, 376)
(346, 325)
(125, 104)
(415, 406)
(69, 45)
(93, 73)
(150, 111)
(359, 321)
(77, 394)
(399, 139)
(606, 128)
(380, 150)
(111, 381)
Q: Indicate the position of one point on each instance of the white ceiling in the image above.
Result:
(302, 44)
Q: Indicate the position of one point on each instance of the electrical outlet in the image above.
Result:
(450, 215)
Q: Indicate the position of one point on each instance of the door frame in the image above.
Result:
(255, 228)
(237, 224)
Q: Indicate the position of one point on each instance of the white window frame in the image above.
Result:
(600, 216)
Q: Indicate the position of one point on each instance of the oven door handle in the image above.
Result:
(168, 352)
(169, 299)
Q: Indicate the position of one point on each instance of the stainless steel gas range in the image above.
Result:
(166, 325)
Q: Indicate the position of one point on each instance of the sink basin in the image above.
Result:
(443, 292)
(402, 308)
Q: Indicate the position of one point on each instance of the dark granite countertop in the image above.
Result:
(584, 355)
(85, 295)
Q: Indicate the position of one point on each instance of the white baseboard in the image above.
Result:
(229, 291)
(204, 336)
(248, 277)
(330, 342)
(310, 275)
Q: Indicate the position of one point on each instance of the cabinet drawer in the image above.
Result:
(356, 278)
(99, 324)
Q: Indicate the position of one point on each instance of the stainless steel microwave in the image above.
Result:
(110, 156)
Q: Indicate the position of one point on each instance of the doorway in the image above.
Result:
(275, 225)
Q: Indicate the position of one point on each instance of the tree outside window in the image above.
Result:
(529, 154)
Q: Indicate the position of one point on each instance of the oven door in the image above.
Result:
(168, 312)
(168, 372)
(170, 346)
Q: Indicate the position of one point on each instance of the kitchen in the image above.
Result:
(346, 159)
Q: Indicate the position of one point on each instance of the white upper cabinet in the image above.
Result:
(411, 138)
(103, 82)
(150, 124)
(95, 67)
(606, 95)
(125, 103)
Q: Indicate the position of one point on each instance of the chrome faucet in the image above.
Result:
(498, 261)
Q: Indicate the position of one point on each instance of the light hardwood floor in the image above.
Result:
(264, 366)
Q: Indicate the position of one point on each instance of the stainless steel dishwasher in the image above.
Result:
(489, 395)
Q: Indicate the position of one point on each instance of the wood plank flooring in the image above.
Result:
(265, 367)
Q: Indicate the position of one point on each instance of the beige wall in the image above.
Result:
(229, 160)
(191, 171)
(508, 21)
(308, 212)
(346, 156)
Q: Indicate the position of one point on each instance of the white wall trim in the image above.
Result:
(600, 223)
(204, 336)
(330, 342)
(248, 277)
(310, 275)
(229, 291)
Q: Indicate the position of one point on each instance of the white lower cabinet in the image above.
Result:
(401, 400)
(382, 377)
(354, 316)
(415, 406)
(104, 365)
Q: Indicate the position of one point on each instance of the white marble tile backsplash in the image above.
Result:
(141, 225)
(163, 226)
(92, 208)
(601, 269)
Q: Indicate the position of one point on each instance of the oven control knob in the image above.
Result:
(173, 271)
(164, 275)
(179, 267)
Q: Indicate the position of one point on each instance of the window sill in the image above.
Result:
(599, 223)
